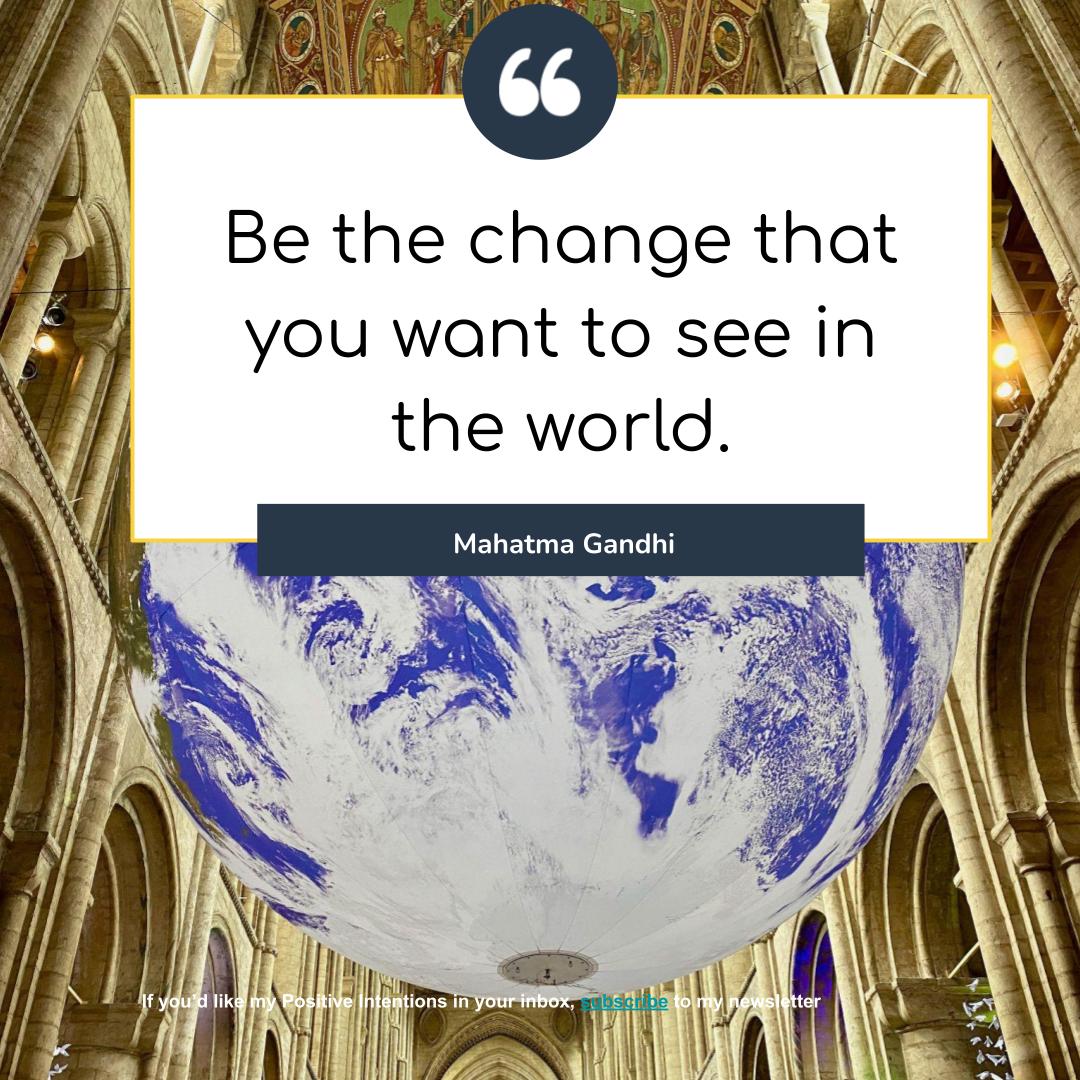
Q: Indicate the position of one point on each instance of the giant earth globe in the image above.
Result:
(494, 785)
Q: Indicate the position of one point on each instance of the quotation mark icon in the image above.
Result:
(521, 97)
(539, 81)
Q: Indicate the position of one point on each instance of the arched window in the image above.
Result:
(947, 927)
(271, 1058)
(755, 1059)
(215, 1026)
(819, 1025)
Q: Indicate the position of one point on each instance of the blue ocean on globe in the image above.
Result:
(435, 775)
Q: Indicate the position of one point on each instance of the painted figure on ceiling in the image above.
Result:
(296, 36)
(727, 41)
(611, 25)
(641, 57)
(419, 54)
(384, 57)
(447, 49)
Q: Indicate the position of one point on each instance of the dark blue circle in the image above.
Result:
(545, 30)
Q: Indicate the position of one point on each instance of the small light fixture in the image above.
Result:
(1006, 391)
(1005, 355)
(44, 343)
(1012, 420)
(55, 312)
(29, 371)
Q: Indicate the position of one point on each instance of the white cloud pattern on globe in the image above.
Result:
(434, 775)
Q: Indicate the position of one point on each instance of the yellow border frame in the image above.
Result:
(635, 97)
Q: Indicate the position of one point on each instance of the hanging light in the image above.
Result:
(1005, 355)
(44, 343)
(29, 371)
(1006, 391)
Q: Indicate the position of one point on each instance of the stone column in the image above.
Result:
(302, 1040)
(1057, 25)
(669, 1035)
(771, 79)
(357, 1019)
(995, 51)
(1063, 827)
(1035, 361)
(96, 335)
(28, 861)
(701, 1027)
(815, 14)
(93, 495)
(51, 994)
(27, 28)
(204, 48)
(624, 1042)
(653, 1044)
(721, 1030)
(204, 884)
(268, 949)
(683, 1032)
(249, 990)
(770, 1018)
(848, 983)
(1025, 841)
(928, 1016)
(63, 233)
(261, 74)
(110, 1040)
(34, 154)
(990, 895)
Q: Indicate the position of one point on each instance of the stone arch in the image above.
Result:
(498, 1024)
(1027, 648)
(215, 1028)
(36, 636)
(106, 258)
(916, 920)
(820, 1041)
(189, 20)
(921, 41)
(754, 1058)
(498, 1057)
(128, 938)
(129, 67)
(272, 1058)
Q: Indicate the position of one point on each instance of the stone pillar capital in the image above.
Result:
(96, 326)
(28, 861)
(999, 224)
(66, 218)
(816, 14)
(116, 1028)
(1062, 822)
(1023, 837)
(909, 1004)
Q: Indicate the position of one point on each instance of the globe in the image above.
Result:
(490, 785)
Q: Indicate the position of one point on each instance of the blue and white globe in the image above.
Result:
(443, 777)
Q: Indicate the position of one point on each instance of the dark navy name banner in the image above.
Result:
(744, 540)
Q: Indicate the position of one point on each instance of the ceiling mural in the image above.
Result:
(419, 46)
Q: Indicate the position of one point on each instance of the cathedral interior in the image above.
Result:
(949, 948)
